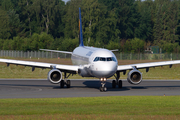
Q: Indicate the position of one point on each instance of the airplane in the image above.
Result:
(91, 62)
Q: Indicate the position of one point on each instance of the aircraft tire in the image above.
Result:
(113, 84)
(104, 89)
(62, 84)
(68, 83)
(120, 84)
(101, 89)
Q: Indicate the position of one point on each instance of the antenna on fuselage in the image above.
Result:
(80, 30)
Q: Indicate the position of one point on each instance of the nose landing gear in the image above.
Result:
(103, 82)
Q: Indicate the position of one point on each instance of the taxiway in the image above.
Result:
(24, 88)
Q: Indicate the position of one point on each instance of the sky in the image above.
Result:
(65, 0)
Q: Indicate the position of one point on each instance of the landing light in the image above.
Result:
(103, 79)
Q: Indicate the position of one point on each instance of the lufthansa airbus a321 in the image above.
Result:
(91, 62)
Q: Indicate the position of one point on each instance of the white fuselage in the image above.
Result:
(94, 62)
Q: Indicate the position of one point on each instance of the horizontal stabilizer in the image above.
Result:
(56, 51)
(114, 50)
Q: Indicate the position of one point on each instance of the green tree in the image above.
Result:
(71, 19)
(26, 15)
(4, 25)
(158, 25)
(145, 29)
(134, 45)
(14, 23)
(93, 20)
(128, 17)
(6, 5)
(69, 44)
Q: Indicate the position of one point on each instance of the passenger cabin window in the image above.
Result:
(104, 59)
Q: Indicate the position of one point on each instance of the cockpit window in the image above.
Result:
(96, 59)
(104, 59)
(109, 59)
(113, 59)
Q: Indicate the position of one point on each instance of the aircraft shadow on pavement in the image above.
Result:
(97, 84)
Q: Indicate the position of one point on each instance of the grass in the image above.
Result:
(117, 107)
(25, 72)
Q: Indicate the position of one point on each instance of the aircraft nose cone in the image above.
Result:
(105, 70)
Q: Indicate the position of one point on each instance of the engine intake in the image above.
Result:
(55, 76)
(134, 77)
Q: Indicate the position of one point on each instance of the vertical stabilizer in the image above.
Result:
(80, 30)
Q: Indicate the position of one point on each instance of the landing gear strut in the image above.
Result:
(65, 81)
(117, 81)
(103, 82)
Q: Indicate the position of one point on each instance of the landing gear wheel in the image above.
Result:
(113, 84)
(68, 83)
(62, 84)
(120, 84)
(104, 89)
(101, 89)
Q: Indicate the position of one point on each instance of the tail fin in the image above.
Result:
(80, 30)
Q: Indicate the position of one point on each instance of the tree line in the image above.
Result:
(127, 25)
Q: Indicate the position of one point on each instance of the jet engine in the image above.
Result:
(55, 76)
(134, 77)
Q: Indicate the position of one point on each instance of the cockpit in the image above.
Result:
(104, 59)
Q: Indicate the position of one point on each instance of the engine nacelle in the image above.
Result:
(134, 77)
(55, 76)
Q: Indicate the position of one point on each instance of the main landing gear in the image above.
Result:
(117, 81)
(65, 81)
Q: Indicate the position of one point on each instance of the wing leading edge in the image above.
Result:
(146, 65)
(63, 68)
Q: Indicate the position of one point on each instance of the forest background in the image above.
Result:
(127, 25)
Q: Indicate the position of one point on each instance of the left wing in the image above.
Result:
(67, 68)
(146, 65)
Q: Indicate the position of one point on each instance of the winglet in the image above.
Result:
(80, 30)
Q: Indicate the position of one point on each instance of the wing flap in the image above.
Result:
(147, 65)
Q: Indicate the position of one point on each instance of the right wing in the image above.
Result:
(146, 65)
(63, 68)
(67, 52)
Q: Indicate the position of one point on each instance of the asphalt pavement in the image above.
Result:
(28, 88)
